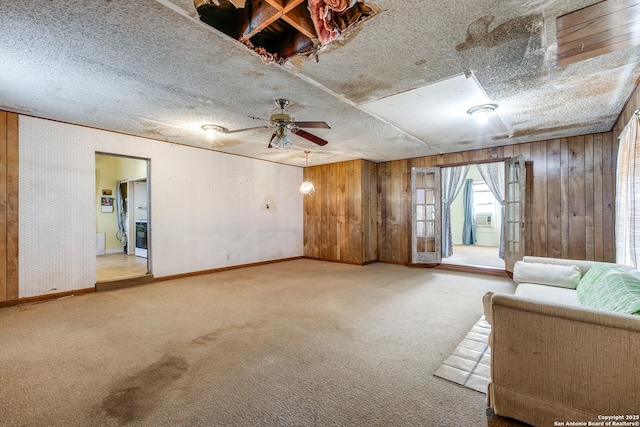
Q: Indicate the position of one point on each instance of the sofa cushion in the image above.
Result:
(552, 294)
(565, 276)
(610, 288)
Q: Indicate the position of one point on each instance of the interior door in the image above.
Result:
(425, 216)
(514, 203)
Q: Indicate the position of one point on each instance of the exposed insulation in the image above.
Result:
(324, 14)
(277, 30)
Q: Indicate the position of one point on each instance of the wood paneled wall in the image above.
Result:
(571, 197)
(340, 217)
(8, 206)
(601, 28)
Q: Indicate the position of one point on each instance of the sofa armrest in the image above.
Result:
(486, 303)
(555, 363)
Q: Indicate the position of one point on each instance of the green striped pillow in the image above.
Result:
(611, 288)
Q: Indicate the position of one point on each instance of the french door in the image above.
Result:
(514, 211)
(426, 214)
(426, 209)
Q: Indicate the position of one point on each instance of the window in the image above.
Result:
(483, 204)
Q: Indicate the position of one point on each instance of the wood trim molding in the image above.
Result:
(339, 261)
(217, 270)
(46, 297)
(110, 285)
(475, 270)
(8, 206)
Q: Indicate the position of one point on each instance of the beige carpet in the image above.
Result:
(469, 364)
(298, 343)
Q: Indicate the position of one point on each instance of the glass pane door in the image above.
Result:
(425, 215)
(514, 204)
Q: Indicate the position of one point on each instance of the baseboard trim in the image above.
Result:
(218, 270)
(46, 297)
(135, 281)
(475, 270)
(124, 283)
(341, 261)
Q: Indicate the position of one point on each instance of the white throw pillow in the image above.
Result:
(564, 276)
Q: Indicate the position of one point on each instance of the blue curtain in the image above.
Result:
(469, 228)
(452, 180)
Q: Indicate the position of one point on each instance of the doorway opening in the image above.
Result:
(435, 187)
(122, 219)
(476, 243)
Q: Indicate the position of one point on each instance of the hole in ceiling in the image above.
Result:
(280, 29)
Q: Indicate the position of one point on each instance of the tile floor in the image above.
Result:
(469, 364)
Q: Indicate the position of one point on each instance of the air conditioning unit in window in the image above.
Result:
(483, 220)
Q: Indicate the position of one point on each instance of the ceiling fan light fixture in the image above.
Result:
(277, 143)
(281, 140)
(283, 124)
(212, 130)
(481, 112)
(286, 142)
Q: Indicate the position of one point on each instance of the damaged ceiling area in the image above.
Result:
(392, 80)
(276, 29)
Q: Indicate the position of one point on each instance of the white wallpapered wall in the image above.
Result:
(208, 209)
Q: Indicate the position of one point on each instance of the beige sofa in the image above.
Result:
(554, 361)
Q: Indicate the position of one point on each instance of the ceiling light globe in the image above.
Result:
(306, 188)
(212, 130)
(481, 112)
(481, 116)
(277, 143)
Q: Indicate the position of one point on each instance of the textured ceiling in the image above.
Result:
(151, 68)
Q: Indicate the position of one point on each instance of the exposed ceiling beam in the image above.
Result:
(300, 19)
(266, 13)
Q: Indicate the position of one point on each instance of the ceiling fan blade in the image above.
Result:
(312, 138)
(272, 136)
(316, 125)
(245, 129)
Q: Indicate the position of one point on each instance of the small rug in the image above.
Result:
(469, 364)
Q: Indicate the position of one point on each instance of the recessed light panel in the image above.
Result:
(437, 113)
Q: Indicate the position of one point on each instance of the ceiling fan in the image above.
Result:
(283, 122)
